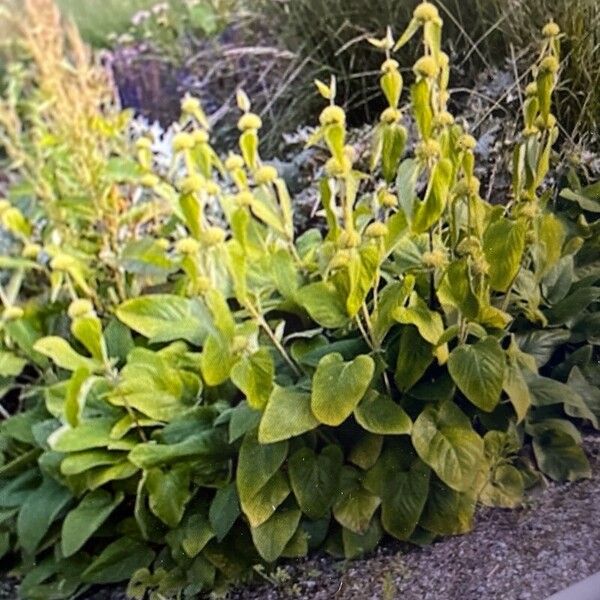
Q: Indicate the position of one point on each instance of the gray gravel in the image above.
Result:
(525, 554)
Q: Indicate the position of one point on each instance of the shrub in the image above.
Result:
(203, 390)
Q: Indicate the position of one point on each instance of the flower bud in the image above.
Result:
(213, 236)
(192, 184)
(387, 199)
(469, 245)
(182, 141)
(234, 162)
(480, 266)
(203, 284)
(466, 142)
(200, 136)
(467, 186)
(390, 115)
(549, 64)
(550, 29)
(340, 259)
(531, 89)
(265, 174)
(349, 239)
(337, 168)
(80, 308)
(548, 123)
(187, 246)
(249, 121)
(426, 12)
(244, 198)
(212, 188)
(332, 115)
(434, 259)
(443, 119)
(389, 65)
(428, 149)
(61, 262)
(190, 105)
(426, 67)
(376, 230)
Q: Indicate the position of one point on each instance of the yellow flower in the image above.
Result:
(187, 246)
(376, 230)
(390, 115)
(182, 141)
(234, 162)
(549, 64)
(265, 174)
(466, 142)
(213, 236)
(31, 251)
(551, 29)
(12, 313)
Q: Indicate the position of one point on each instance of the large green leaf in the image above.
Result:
(559, 456)
(431, 209)
(63, 355)
(253, 375)
(224, 510)
(39, 510)
(355, 505)
(10, 364)
(444, 439)
(168, 493)
(164, 317)
(273, 535)
(338, 386)
(315, 479)
(92, 433)
(287, 415)
(417, 313)
(324, 303)
(83, 521)
(118, 561)
(503, 245)
(478, 371)
(401, 480)
(448, 512)
(415, 354)
(380, 414)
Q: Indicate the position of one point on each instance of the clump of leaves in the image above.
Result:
(205, 390)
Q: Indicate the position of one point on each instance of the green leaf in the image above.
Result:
(431, 209)
(93, 433)
(590, 394)
(79, 462)
(391, 297)
(168, 493)
(254, 375)
(478, 371)
(164, 317)
(315, 479)
(88, 331)
(380, 414)
(517, 389)
(559, 456)
(401, 480)
(338, 386)
(147, 258)
(224, 510)
(85, 519)
(414, 357)
(287, 415)
(355, 506)
(444, 440)
(448, 512)
(504, 489)
(324, 303)
(503, 245)
(272, 536)
(63, 355)
(39, 510)
(417, 313)
(216, 359)
(118, 562)
(11, 365)
(259, 489)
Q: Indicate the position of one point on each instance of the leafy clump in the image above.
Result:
(203, 389)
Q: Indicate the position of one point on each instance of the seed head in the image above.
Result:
(466, 142)
(390, 115)
(549, 64)
(183, 141)
(213, 236)
(234, 162)
(376, 230)
(434, 259)
(187, 245)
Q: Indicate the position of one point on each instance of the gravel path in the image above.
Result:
(525, 554)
